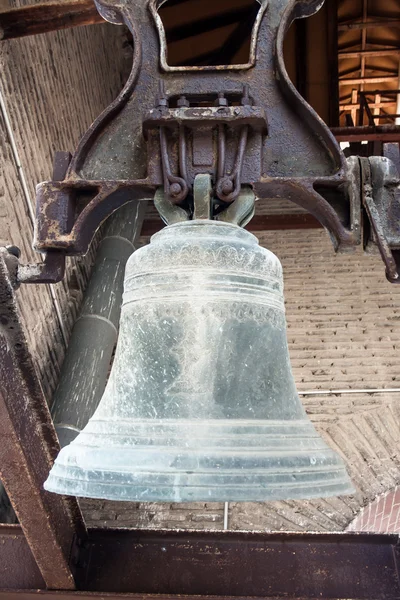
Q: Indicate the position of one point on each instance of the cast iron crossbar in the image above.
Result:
(167, 564)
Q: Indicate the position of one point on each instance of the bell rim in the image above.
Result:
(108, 490)
(132, 471)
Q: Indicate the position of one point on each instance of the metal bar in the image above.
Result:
(49, 16)
(367, 108)
(18, 568)
(388, 116)
(369, 24)
(226, 516)
(361, 111)
(384, 133)
(28, 446)
(367, 80)
(387, 92)
(304, 565)
(86, 365)
(157, 564)
(258, 223)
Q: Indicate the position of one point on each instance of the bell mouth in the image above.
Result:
(188, 461)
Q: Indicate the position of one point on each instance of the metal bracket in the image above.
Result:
(239, 212)
(381, 200)
(246, 128)
(243, 127)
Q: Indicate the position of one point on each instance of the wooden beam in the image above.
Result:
(354, 100)
(371, 105)
(333, 62)
(50, 16)
(369, 53)
(369, 24)
(363, 47)
(367, 80)
(372, 72)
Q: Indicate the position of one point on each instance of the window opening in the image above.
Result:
(209, 33)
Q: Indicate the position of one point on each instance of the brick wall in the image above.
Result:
(381, 516)
(344, 333)
(196, 515)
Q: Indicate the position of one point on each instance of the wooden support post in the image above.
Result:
(28, 445)
(357, 106)
(333, 62)
(377, 108)
(49, 16)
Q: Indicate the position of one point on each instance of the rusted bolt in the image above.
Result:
(221, 101)
(227, 186)
(246, 98)
(175, 190)
(162, 100)
(183, 102)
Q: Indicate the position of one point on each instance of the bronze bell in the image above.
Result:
(201, 404)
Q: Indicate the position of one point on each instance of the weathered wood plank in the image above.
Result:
(45, 17)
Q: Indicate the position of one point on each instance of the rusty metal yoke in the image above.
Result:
(244, 126)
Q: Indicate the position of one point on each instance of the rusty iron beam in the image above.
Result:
(258, 223)
(18, 568)
(244, 564)
(380, 133)
(162, 565)
(48, 16)
(28, 445)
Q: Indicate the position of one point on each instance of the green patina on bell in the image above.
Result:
(201, 404)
